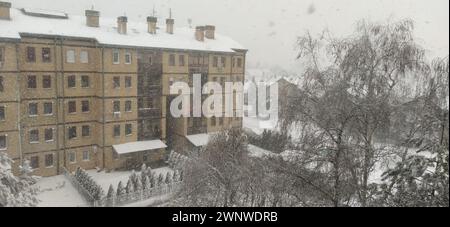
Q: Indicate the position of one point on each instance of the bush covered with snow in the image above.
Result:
(86, 181)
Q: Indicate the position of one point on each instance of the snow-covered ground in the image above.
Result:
(57, 191)
(105, 179)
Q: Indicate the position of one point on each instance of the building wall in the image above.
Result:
(101, 94)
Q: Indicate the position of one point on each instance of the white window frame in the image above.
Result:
(6, 142)
(74, 157)
(43, 105)
(4, 113)
(130, 59)
(116, 52)
(29, 136)
(81, 81)
(69, 58)
(53, 160)
(84, 57)
(88, 156)
(37, 109)
(53, 135)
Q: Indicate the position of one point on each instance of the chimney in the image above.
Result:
(209, 31)
(122, 25)
(200, 33)
(169, 25)
(152, 24)
(92, 18)
(5, 11)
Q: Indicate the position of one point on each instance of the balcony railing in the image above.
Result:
(150, 113)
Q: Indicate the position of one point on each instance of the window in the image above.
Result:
(34, 136)
(116, 57)
(215, 61)
(172, 60)
(31, 54)
(127, 58)
(48, 108)
(213, 121)
(72, 132)
(46, 57)
(181, 60)
(128, 81)
(70, 56)
(46, 81)
(71, 81)
(116, 106)
(3, 142)
(223, 62)
(85, 106)
(84, 57)
(221, 121)
(116, 130)
(72, 106)
(85, 82)
(2, 113)
(2, 56)
(116, 82)
(49, 160)
(239, 62)
(32, 82)
(128, 129)
(127, 106)
(34, 162)
(85, 131)
(32, 109)
(72, 157)
(1, 84)
(48, 134)
(86, 156)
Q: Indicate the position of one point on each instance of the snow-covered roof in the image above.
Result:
(137, 34)
(133, 147)
(200, 140)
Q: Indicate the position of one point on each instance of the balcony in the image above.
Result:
(150, 113)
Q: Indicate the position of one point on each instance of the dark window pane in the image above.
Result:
(85, 130)
(85, 82)
(128, 106)
(34, 135)
(48, 108)
(128, 129)
(116, 130)
(172, 60)
(116, 106)
(2, 88)
(71, 81)
(46, 57)
(2, 142)
(72, 132)
(116, 82)
(72, 107)
(2, 113)
(46, 81)
(33, 109)
(48, 134)
(48, 160)
(128, 82)
(34, 162)
(31, 54)
(32, 82)
(85, 106)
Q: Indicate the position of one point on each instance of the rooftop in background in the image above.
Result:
(42, 22)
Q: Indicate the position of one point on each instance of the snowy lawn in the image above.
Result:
(57, 191)
(105, 179)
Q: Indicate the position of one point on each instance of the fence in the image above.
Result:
(126, 198)
(86, 195)
(137, 196)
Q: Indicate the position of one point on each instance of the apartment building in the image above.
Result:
(94, 92)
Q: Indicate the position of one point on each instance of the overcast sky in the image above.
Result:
(268, 28)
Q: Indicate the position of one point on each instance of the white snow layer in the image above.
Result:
(137, 35)
(139, 146)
